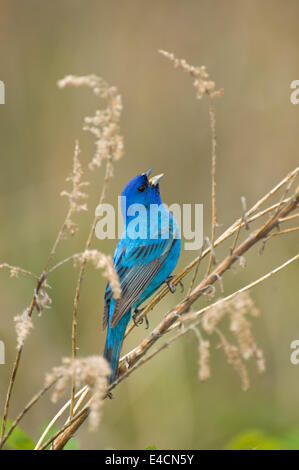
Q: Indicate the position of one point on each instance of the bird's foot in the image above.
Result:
(139, 321)
(171, 287)
(109, 395)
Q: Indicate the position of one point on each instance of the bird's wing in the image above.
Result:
(136, 267)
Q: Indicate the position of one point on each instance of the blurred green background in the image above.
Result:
(251, 50)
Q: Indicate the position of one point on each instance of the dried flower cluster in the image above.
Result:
(201, 83)
(14, 271)
(213, 316)
(239, 324)
(92, 371)
(104, 125)
(233, 358)
(237, 308)
(204, 370)
(23, 326)
(102, 261)
(76, 195)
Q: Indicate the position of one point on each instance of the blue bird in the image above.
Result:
(144, 258)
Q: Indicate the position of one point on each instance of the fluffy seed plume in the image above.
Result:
(260, 361)
(76, 195)
(238, 309)
(14, 271)
(201, 82)
(204, 371)
(104, 124)
(92, 371)
(23, 326)
(233, 358)
(213, 316)
(240, 326)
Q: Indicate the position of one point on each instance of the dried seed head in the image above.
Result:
(92, 371)
(241, 327)
(234, 359)
(200, 75)
(14, 271)
(213, 316)
(238, 308)
(23, 326)
(76, 195)
(104, 124)
(260, 361)
(204, 372)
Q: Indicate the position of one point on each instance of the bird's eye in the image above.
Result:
(142, 188)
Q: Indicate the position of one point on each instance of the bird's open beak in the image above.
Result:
(154, 181)
(148, 172)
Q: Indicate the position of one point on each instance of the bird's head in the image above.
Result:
(143, 190)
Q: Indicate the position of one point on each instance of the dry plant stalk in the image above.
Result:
(25, 410)
(76, 195)
(204, 86)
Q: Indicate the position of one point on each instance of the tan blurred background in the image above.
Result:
(251, 50)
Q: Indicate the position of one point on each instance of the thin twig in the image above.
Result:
(194, 315)
(80, 418)
(244, 221)
(196, 268)
(26, 409)
(108, 173)
(290, 217)
(283, 232)
(15, 270)
(17, 360)
(57, 416)
(64, 261)
(212, 259)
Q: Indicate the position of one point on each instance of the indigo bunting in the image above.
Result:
(144, 258)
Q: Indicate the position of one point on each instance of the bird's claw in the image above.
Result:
(181, 285)
(171, 287)
(139, 321)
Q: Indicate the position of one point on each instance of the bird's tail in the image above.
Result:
(114, 341)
